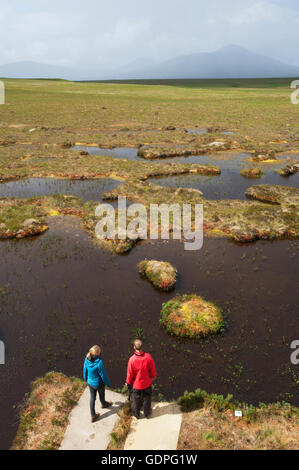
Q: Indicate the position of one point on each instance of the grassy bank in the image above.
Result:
(209, 423)
(45, 412)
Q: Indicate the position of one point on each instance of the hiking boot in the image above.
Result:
(107, 404)
(95, 417)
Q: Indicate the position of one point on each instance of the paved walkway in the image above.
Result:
(81, 433)
(160, 432)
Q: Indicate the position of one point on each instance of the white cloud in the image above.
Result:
(261, 12)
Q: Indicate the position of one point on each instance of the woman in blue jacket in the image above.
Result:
(95, 375)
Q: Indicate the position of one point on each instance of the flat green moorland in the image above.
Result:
(43, 119)
(118, 114)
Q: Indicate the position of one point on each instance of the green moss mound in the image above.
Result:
(19, 219)
(191, 316)
(160, 273)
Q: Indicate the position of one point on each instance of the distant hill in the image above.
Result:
(34, 70)
(228, 62)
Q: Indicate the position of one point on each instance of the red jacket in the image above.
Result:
(141, 370)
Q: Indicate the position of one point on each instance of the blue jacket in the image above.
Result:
(93, 371)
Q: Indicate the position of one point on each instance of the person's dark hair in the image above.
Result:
(138, 344)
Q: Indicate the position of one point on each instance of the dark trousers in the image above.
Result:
(138, 396)
(93, 395)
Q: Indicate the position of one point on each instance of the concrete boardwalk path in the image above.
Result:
(160, 432)
(81, 433)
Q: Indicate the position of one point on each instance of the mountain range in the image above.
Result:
(227, 62)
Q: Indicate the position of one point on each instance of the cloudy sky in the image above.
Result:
(110, 33)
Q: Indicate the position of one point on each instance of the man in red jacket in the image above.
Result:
(140, 375)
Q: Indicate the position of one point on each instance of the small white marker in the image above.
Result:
(2, 353)
(2, 93)
(238, 414)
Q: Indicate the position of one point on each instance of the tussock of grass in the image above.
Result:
(160, 273)
(274, 194)
(13, 214)
(121, 428)
(45, 412)
(251, 172)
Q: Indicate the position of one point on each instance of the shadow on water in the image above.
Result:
(62, 294)
(88, 190)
